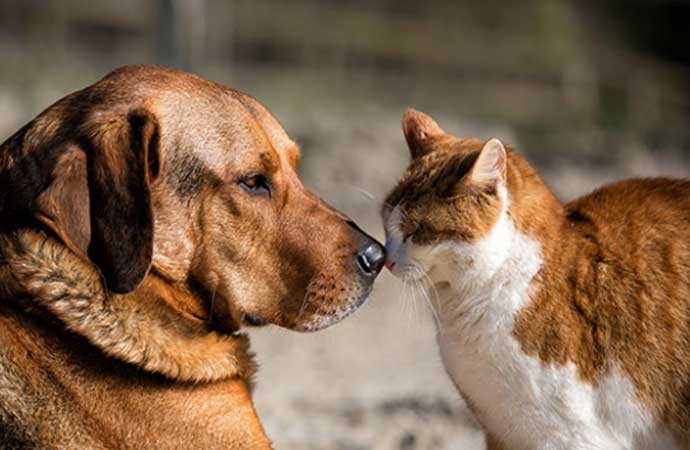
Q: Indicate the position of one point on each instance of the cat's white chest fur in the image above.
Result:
(527, 405)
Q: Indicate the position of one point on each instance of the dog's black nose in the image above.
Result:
(370, 255)
(370, 259)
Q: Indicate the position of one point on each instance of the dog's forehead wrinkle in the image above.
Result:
(217, 159)
(187, 172)
(271, 126)
(271, 129)
(228, 126)
(270, 161)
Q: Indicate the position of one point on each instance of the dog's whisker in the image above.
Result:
(316, 317)
(213, 304)
(302, 307)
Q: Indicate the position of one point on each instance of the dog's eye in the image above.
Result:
(256, 184)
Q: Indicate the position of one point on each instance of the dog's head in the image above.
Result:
(154, 169)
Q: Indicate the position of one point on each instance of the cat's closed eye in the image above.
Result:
(410, 230)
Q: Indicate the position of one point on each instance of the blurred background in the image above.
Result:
(590, 91)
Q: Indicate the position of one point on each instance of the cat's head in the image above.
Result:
(447, 205)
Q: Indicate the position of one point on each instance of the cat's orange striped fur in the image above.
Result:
(563, 326)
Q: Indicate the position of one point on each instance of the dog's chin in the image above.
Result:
(326, 318)
(312, 317)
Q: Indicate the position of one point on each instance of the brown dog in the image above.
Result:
(144, 219)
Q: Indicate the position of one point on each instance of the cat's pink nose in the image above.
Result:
(390, 264)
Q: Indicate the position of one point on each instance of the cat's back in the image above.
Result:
(633, 220)
(627, 253)
(643, 202)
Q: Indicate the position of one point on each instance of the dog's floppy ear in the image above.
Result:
(98, 201)
(121, 164)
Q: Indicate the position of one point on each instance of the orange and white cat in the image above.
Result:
(562, 326)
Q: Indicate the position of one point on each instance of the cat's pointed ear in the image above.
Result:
(490, 166)
(418, 128)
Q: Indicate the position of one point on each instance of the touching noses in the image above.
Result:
(371, 258)
(392, 248)
(369, 254)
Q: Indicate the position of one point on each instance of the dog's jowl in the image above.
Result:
(143, 221)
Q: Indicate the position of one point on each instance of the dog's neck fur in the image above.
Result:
(146, 328)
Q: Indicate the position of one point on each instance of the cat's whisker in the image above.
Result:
(419, 287)
(412, 310)
(427, 298)
(413, 302)
(422, 284)
(391, 206)
(409, 298)
(416, 295)
(363, 192)
(410, 280)
(404, 300)
(432, 287)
